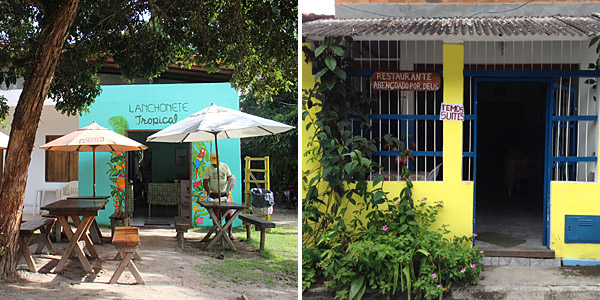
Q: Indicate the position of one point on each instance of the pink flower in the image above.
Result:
(474, 234)
(424, 199)
(462, 271)
(200, 220)
(385, 228)
(481, 251)
(439, 286)
(387, 209)
(398, 202)
(433, 276)
(473, 266)
(443, 225)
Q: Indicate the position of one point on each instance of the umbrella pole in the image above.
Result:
(94, 168)
(218, 173)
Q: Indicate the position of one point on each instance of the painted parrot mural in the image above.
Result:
(200, 162)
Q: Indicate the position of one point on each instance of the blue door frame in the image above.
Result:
(548, 131)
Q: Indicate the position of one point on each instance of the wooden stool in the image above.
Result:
(26, 234)
(181, 226)
(118, 218)
(126, 240)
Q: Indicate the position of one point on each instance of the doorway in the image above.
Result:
(158, 181)
(509, 193)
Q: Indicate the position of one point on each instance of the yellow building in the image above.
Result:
(515, 159)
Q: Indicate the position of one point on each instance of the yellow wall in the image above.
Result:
(572, 199)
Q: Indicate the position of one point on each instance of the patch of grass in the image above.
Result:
(277, 264)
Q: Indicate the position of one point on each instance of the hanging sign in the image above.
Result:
(452, 112)
(405, 81)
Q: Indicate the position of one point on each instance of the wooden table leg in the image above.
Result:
(24, 240)
(45, 240)
(218, 228)
(73, 243)
(222, 233)
(86, 237)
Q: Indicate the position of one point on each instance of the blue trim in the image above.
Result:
(412, 153)
(475, 81)
(572, 262)
(468, 154)
(404, 117)
(574, 118)
(470, 117)
(503, 75)
(573, 159)
(547, 168)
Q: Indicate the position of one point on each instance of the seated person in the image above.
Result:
(212, 183)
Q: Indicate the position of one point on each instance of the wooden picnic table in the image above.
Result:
(95, 233)
(221, 230)
(86, 209)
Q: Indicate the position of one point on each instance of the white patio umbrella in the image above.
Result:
(216, 123)
(93, 138)
(3, 141)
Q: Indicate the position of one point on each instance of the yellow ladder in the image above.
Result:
(250, 178)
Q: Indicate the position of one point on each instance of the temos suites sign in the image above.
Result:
(405, 81)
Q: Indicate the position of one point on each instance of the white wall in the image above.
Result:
(51, 123)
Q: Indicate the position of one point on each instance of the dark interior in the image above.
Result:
(155, 164)
(510, 158)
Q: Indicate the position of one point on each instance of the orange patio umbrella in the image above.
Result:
(93, 138)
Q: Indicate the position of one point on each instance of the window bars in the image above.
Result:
(410, 116)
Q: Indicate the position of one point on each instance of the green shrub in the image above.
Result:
(416, 260)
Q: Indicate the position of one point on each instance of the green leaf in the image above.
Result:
(320, 74)
(378, 180)
(330, 84)
(320, 50)
(356, 286)
(337, 49)
(331, 63)
(403, 228)
(340, 73)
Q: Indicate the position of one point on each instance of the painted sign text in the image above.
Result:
(405, 81)
(452, 112)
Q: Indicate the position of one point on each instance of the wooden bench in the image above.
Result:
(26, 234)
(118, 218)
(260, 225)
(126, 240)
(181, 226)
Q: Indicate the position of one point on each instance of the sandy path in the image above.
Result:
(169, 274)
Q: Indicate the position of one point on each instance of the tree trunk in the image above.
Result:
(24, 126)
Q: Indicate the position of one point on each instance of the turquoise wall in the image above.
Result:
(153, 107)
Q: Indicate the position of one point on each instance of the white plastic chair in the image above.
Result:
(433, 173)
(70, 189)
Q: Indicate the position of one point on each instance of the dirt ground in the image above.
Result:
(168, 273)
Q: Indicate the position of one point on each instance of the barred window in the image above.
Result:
(410, 116)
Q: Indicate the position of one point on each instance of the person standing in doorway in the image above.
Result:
(211, 183)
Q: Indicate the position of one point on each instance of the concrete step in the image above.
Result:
(521, 262)
(518, 282)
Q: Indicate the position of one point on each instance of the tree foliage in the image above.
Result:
(282, 148)
(256, 37)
